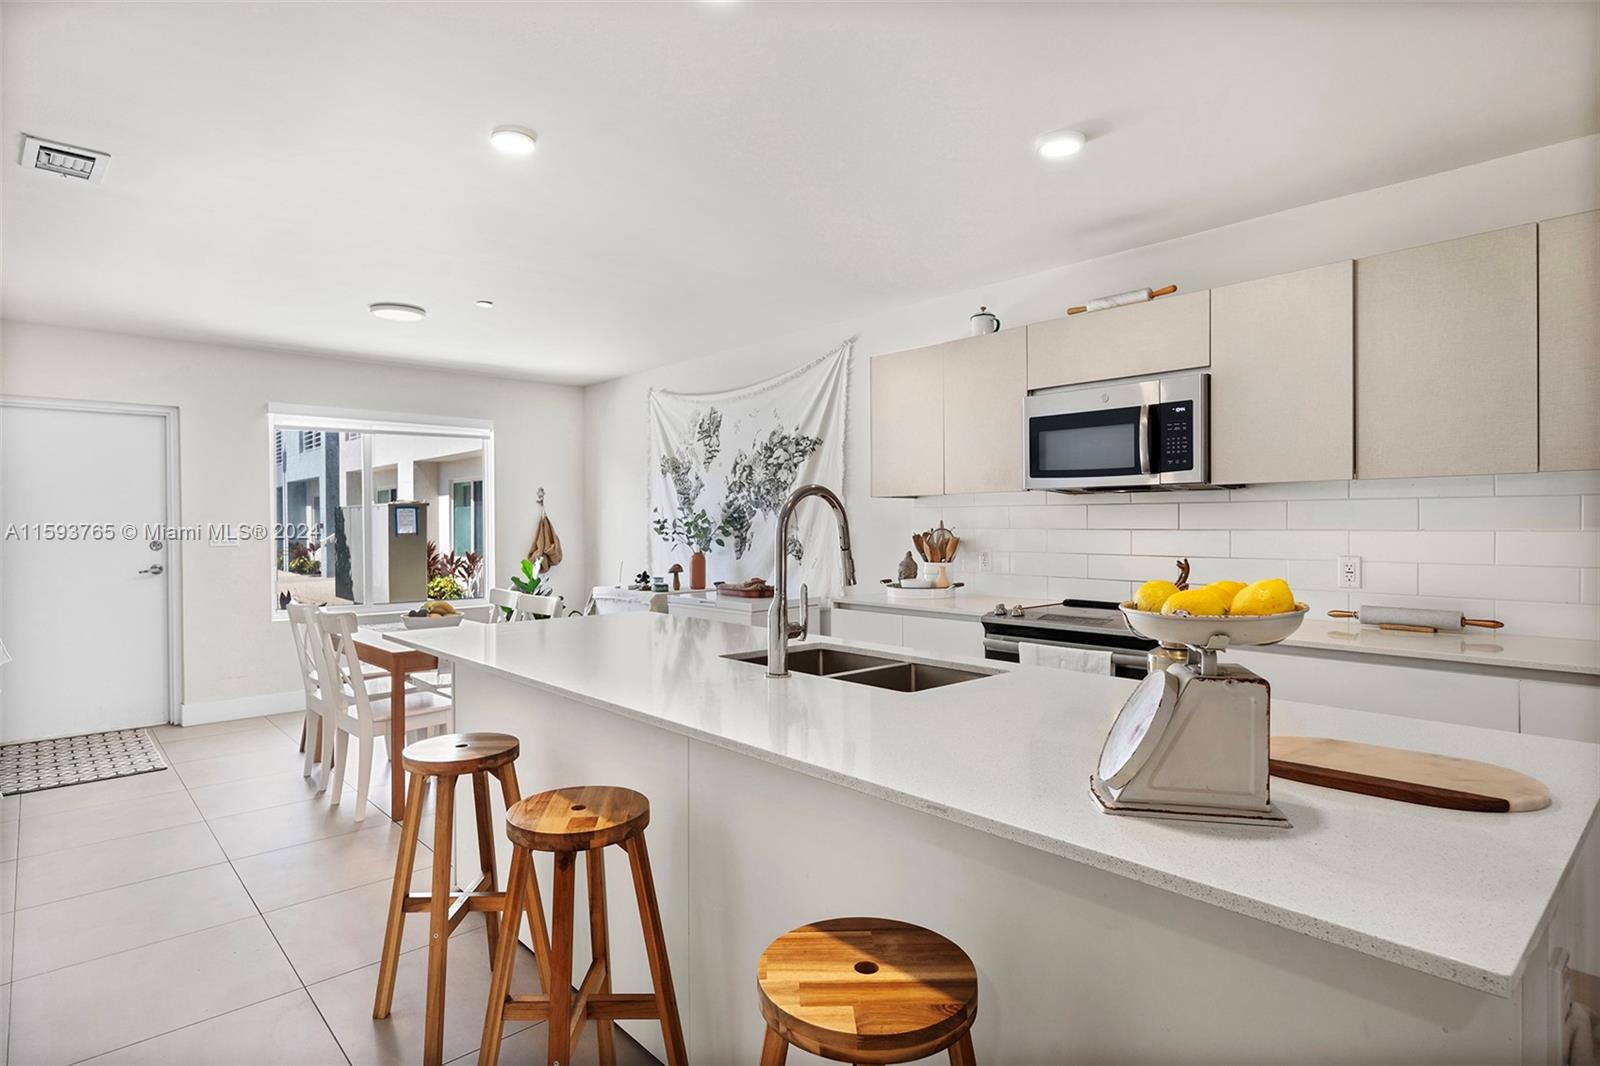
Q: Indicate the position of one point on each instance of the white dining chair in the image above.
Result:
(306, 637)
(529, 605)
(500, 601)
(356, 711)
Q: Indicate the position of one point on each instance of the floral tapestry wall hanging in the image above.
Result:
(722, 464)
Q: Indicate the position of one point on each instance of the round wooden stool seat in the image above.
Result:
(584, 818)
(868, 990)
(460, 753)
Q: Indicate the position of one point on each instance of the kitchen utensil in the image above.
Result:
(755, 588)
(921, 545)
(1192, 741)
(984, 322)
(1415, 619)
(938, 544)
(1408, 776)
(1119, 299)
(950, 552)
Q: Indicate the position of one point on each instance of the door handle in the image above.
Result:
(1144, 438)
(156, 569)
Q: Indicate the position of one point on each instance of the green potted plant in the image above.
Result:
(695, 531)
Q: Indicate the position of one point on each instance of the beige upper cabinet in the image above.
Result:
(907, 392)
(1169, 333)
(985, 382)
(1447, 358)
(1569, 342)
(1283, 377)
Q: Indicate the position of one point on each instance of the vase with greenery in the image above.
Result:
(695, 531)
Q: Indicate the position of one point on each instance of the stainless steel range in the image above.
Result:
(1094, 625)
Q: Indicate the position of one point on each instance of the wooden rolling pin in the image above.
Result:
(1415, 619)
(1132, 296)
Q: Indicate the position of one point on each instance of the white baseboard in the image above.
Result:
(207, 711)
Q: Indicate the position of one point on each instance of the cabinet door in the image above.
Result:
(943, 636)
(1569, 342)
(908, 423)
(985, 385)
(1169, 333)
(1283, 378)
(1447, 376)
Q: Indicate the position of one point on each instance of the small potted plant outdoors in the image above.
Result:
(696, 532)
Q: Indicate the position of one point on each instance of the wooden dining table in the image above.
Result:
(372, 646)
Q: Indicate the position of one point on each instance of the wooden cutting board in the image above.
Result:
(1409, 776)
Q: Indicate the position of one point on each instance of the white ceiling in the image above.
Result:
(708, 174)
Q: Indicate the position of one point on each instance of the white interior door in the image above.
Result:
(83, 611)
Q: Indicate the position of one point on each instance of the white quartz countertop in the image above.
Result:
(1459, 895)
(1476, 647)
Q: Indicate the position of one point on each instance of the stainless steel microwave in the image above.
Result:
(1132, 434)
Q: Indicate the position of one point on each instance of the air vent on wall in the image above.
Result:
(65, 160)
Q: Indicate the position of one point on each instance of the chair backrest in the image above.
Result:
(503, 598)
(531, 606)
(307, 651)
(349, 692)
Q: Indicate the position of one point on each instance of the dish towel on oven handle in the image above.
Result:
(1079, 659)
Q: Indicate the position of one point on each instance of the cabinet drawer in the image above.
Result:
(1556, 709)
(1170, 333)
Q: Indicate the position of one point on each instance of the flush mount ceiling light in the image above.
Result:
(513, 140)
(398, 312)
(483, 303)
(1059, 144)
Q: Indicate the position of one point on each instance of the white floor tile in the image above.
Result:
(278, 879)
(272, 828)
(100, 793)
(76, 930)
(5, 1023)
(276, 760)
(76, 871)
(8, 925)
(145, 992)
(346, 1004)
(532, 1045)
(258, 738)
(72, 829)
(286, 1031)
(289, 723)
(8, 886)
(208, 729)
(8, 840)
(227, 798)
(335, 934)
(10, 808)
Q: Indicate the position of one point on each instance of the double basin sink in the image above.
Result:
(860, 668)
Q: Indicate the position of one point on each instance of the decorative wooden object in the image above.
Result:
(754, 589)
(567, 822)
(442, 760)
(867, 990)
(1408, 776)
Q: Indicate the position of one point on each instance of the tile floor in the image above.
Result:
(219, 912)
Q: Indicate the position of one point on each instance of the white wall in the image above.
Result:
(1556, 180)
(233, 650)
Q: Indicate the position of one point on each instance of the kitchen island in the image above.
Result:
(1370, 931)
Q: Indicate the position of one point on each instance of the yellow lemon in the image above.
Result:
(1152, 594)
(1271, 596)
(1204, 601)
(1229, 589)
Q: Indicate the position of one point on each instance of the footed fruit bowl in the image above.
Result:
(1214, 631)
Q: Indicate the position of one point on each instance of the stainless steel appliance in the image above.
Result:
(1092, 625)
(1150, 433)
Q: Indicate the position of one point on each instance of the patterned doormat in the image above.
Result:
(38, 765)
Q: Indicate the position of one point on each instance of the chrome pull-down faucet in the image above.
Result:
(779, 630)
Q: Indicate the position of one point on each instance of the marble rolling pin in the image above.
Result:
(1415, 619)
(1132, 296)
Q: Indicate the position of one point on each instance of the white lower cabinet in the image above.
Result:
(919, 634)
(1558, 709)
(873, 627)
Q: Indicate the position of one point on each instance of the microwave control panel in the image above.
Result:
(1173, 429)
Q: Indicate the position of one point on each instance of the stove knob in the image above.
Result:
(1017, 612)
(1000, 609)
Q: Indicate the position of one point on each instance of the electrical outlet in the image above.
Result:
(985, 563)
(1349, 571)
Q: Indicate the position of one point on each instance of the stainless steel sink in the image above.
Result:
(859, 668)
(821, 661)
(911, 677)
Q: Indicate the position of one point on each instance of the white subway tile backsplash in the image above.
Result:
(1576, 621)
(1088, 588)
(1423, 547)
(1552, 584)
(1397, 578)
(1262, 514)
(1177, 542)
(1500, 512)
(1089, 541)
(1551, 483)
(1321, 601)
(1473, 608)
(1042, 564)
(1135, 568)
(1048, 517)
(1137, 516)
(965, 499)
(1293, 490)
(1591, 585)
(974, 541)
(1282, 544)
(1548, 549)
(1414, 487)
(1031, 498)
(1012, 588)
(1313, 574)
(1591, 512)
(958, 518)
(1095, 498)
(1353, 514)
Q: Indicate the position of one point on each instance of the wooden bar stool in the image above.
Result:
(867, 990)
(565, 822)
(442, 760)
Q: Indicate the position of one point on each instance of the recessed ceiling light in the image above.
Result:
(398, 312)
(1060, 144)
(483, 303)
(513, 140)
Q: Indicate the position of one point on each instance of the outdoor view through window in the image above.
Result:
(365, 517)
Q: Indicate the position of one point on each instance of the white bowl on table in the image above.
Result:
(432, 621)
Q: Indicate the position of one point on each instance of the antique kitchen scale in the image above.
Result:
(1192, 742)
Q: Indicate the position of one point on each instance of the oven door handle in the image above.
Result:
(1144, 438)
